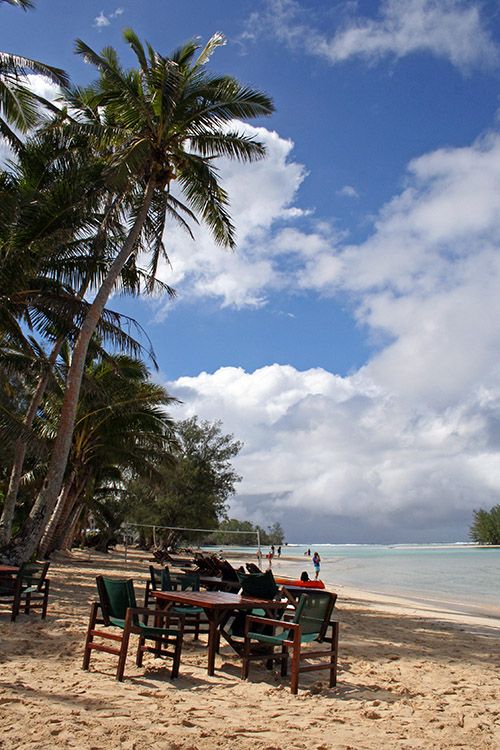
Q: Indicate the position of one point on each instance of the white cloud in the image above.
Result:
(348, 191)
(342, 448)
(413, 436)
(452, 29)
(103, 20)
(262, 196)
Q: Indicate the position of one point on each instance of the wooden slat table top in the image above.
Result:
(211, 599)
(8, 569)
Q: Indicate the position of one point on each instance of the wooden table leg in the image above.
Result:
(212, 641)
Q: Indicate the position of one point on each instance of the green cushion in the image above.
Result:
(185, 609)
(280, 637)
(148, 631)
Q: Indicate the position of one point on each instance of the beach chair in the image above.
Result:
(119, 610)
(311, 623)
(161, 579)
(28, 589)
(261, 586)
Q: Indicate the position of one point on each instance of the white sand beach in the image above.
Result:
(409, 677)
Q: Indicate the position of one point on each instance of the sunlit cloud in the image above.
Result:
(412, 436)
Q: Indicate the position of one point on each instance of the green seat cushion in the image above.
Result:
(148, 631)
(280, 637)
(117, 622)
(185, 609)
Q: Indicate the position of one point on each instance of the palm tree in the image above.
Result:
(24, 4)
(121, 427)
(19, 105)
(169, 120)
(53, 234)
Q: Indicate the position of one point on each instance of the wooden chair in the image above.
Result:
(118, 607)
(161, 579)
(261, 586)
(311, 623)
(28, 589)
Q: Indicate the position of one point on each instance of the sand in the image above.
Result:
(408, 678)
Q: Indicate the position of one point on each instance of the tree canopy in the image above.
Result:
(485, 528)
(87, 194)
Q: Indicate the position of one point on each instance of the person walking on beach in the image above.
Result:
(316, 562)
(279, 551)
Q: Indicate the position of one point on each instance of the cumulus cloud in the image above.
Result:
(324, 449)
(412, 437)
(452, 29)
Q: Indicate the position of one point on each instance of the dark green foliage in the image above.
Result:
(273, 535)
(195, 488)
(485, 528)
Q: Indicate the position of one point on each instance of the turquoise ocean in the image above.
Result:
(456, 577)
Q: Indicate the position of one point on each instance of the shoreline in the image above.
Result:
(441, 610)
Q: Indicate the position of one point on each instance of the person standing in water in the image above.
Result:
(317, 564)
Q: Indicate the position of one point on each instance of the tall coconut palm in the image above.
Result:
(53, 233)
(170, 119)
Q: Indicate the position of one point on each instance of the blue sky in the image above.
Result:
(351, 341)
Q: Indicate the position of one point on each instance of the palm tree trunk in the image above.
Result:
(50, 529)
(58, 525)
(24, 546)
(67, 540)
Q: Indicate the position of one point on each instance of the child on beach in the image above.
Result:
(316, 562)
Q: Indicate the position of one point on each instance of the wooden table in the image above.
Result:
(217, 606)
(8, 569)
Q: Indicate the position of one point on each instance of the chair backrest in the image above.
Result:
(227, 571)
(116, 596)
(187, 581)
(33, 574)
(313, 613)
(166, 580)
(261, 585)
(155, 575)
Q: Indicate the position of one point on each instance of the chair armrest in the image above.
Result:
(269, 621)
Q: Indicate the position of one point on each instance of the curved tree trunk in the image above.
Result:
(72, 527)
(58, 525)
(24, 546)
(62, 501)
